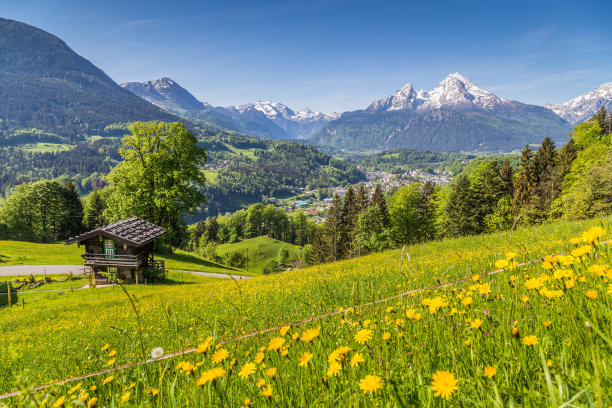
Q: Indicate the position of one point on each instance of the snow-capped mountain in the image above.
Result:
(454, 92)
(297, 125)
(585, 106)
(275, 110)
(263, 119)
(455, 115)
(166, 94)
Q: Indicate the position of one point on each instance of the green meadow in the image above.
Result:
(528, 336)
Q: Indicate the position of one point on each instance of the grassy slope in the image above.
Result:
(261, 249)
(175, 317)
(27, 253)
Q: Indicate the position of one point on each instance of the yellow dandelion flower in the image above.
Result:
(547, 323)
(468, 342)
(259, 357)
(246, 370)
(276, 343)
(511, 255)
(363, 336)
(105, 347)
(113, 353)
(310, 334)
(386, 336)
(304, 359)
(476, 323)
(467, 301)
(502, 263)
(125, 397)
(334, 368)
(93, 388)
(371, 383)
(443, 383)
(267, 392)
(211, 375)
(356, 360)
(108, 379)
(260, 383)
(533, 283)
(75, 388)
(110, 362)
(284, 330)
(92, 402)
(592, 235)
(592, 294)
(271, 372)
(575, 241)
(530, 340)
(204, 346)
(59, 402)
(220, 355)
(247, 402)
(490, 371)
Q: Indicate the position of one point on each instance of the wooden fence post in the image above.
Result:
(8, 290)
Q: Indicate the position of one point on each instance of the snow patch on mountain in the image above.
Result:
(584, 106)
(453, 92)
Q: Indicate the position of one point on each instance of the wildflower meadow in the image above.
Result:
(506, 334)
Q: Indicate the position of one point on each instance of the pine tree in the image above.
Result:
(319, 252)
(333, 228)
(506, 174)
(94, 211)
(544, 159)
(427, 211)
(350, 214)
(74, 208)
(525, 182)
(600, 117)
(567, 155)
(378, 198)
(362, 199)
(547, 187)
(460, 209)
(212, 229)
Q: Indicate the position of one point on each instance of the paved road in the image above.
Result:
(21, 270)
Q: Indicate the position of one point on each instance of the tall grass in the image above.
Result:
(407, 345)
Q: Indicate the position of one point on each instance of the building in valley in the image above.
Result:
(121, 250)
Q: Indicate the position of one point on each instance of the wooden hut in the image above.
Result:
(121, 250)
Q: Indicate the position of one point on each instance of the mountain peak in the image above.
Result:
(166, 94)
(584, 106)
(455, 91)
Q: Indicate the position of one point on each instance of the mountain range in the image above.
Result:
(263, 119)
(47, 89)
(456, 115)
(583, 107)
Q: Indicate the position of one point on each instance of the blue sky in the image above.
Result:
(337, 55)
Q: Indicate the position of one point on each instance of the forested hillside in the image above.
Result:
(571, 182)
(46, 87)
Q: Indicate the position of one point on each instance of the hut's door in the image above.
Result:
(109, 248)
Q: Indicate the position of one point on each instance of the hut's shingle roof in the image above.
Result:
(133, 230)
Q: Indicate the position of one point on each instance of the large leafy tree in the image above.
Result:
(160, 177)
(39, 211)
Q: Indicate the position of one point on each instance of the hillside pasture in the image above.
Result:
(181, 316)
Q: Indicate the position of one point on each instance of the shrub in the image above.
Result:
(270, 267)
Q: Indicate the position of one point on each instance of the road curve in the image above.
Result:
(26, 270)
